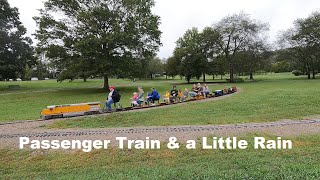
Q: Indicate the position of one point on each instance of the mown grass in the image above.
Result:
(302, 162)
(259, 101)
(271, 97)
(27, 102)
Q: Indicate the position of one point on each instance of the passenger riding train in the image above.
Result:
(72, 110)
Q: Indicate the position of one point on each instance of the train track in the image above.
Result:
(115, 111)
(209, 128)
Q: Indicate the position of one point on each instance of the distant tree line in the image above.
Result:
(300, 45)
(120, 39)
(237, 45)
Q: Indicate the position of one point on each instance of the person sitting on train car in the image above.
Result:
(185, 94)
(166, 97)
(180, 96)
(154, 96)
(113, 97)
(135, 99)
(206, 90)
(194, 91)
(173, 94)
(141, 95)
(200, 89)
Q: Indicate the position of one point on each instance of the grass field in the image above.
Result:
(270, 98)
(300, 163)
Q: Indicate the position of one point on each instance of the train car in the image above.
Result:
(234, 89)
(60, 111)
(219, 93)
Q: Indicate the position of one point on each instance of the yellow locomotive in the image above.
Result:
(59, 111)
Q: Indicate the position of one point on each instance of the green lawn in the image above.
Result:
(271, 97)
(27, 102)
(259, 101)
(302, 162)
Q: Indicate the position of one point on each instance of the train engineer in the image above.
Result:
(113, 97)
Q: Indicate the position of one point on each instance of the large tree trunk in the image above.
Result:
(251, 76)
(309, 75)
(313, 74)
(105, 82)
(212, 77)
(188, 79)
(231, 75)
(204, 77)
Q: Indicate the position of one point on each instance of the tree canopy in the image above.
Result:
(15, 48)
(238, 32)
(303, 44)
(100, 37)
(236, 43)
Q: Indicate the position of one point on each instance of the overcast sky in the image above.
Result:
(179, 15)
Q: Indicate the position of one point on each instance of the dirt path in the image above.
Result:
(280, 128)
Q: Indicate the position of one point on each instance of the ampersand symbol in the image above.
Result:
(173, 143)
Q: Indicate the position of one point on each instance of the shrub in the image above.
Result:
(297, 72)
(281, 66)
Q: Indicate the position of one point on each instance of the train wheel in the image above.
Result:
(47, 117)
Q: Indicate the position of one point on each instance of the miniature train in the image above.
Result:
(73, 110)
(60, 111)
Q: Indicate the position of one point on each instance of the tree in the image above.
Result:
(236, 32)
(101, 37)
(155, 67)
(190, 55)
(210, 40)
(251, 58)
(15, 49)
(303, 43)
(281, 66)
(171, 67)
(219, 66)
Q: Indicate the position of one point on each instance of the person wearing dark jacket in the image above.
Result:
(113, 97)
(174, 94)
